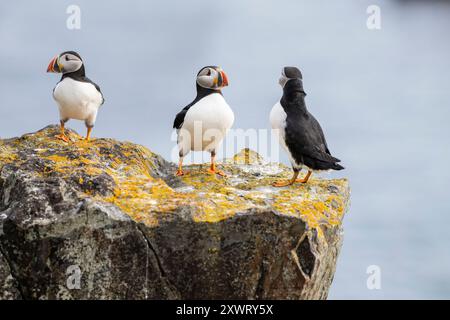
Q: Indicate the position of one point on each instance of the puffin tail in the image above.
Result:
(322, 164)
(337, 166)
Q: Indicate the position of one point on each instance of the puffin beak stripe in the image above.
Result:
(50, 66)
(219, 80)
(54, 66)
(224, 78)
(59, 67)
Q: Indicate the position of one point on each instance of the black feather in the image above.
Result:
(201, 93)
(303, 133)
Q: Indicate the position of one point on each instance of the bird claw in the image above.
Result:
(63, 137)
(218, 172)
(282, 183)
(180, 173)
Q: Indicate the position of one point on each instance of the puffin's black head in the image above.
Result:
(212, 77)
(66, 62)
(289, 73)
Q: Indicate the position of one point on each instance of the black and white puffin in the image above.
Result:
(76, 95)
(202, 125)
(299, 132)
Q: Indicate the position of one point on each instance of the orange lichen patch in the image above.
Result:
(145, 200)
(215, 207)
(314, 203)
(64, 165)
(7, 155)
(213, 196)
(199, 178)
(210, 198)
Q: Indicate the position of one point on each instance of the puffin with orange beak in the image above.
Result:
(202, 124)
(76, 95)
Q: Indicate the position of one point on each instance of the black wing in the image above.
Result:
(201, 93)
(306, 142)
(179, 119)
(320, 136)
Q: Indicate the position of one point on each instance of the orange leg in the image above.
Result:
(180, 171)
(62, 136)
(284, 183)
(212, 169)
(88, 135)
(306, 178)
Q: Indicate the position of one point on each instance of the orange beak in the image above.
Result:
(224, 79)
(53, 66)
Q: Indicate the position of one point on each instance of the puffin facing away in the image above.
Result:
(77, 97)
(299, 132)
(202, 124)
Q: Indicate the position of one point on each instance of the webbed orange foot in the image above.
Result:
(216, 171)
(282, 183)
(181, 173)
(63, 137)
(305, 179)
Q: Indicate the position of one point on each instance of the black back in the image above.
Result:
(201, 93)
(303, 134)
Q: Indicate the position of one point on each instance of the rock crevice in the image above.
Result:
(114, 212)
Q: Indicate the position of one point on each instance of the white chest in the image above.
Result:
(278, 117)
(206, 123)
(76, 99)
(211, 112)
(278, 123)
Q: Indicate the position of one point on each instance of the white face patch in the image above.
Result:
(207, 78)
(283, 80)
(69, 63)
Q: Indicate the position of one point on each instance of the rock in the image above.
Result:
(109, 220)
(8, 286)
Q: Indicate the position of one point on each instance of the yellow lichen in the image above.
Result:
(211, 198)
(6, 154)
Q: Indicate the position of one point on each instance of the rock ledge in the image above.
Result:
(108, 220)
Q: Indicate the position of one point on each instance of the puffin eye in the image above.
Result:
(67, 57)
(208, 73)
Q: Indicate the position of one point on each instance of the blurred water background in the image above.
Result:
(382, 97)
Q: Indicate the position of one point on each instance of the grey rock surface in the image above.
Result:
(108, 220)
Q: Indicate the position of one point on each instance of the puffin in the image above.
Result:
(300, 134)
(76, 95)
(202, 124)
